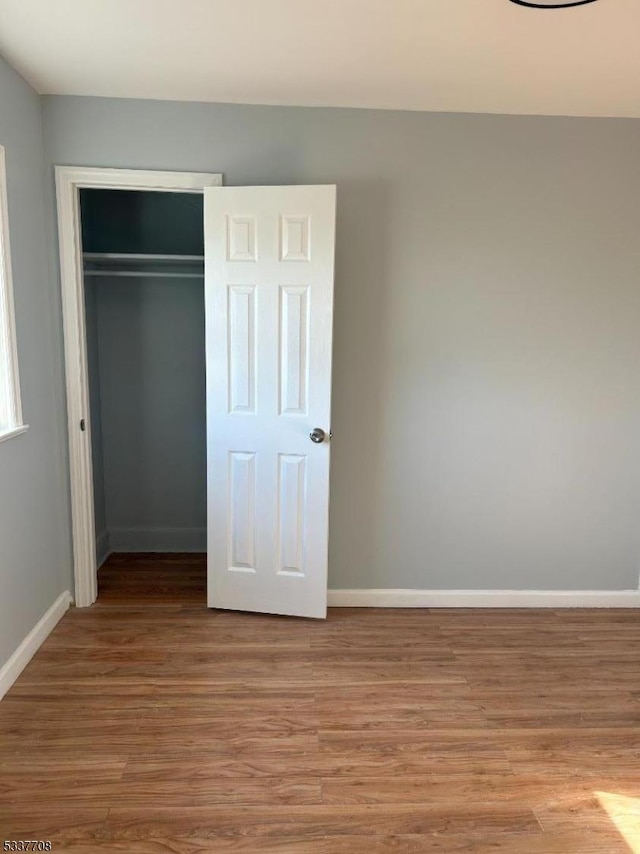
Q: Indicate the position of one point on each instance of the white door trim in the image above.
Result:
(69, 180)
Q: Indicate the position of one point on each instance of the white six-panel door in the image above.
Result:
(269, 257)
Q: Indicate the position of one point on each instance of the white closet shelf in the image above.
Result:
(138, 265)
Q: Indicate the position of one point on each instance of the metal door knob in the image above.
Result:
(317, 435)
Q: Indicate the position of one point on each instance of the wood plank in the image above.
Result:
(525, 843)
(159, 794)
(324, 819)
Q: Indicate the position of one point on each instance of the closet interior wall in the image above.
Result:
(146, 361)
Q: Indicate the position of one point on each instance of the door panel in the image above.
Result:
(269, 257)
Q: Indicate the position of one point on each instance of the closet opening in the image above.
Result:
(143, 265)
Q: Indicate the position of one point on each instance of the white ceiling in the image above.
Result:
(451, 55)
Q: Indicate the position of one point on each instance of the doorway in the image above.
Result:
(70, 183)
(143, 263)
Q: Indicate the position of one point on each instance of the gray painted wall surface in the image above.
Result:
(142, 222)
(35, 559)
(152, 437)
(487, 326)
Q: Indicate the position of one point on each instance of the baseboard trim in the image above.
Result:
(33, 641)
(158, 539)
(103, 548)
(484, 598)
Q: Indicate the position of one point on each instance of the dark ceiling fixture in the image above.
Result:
(552, 5)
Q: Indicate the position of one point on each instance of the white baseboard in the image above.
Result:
(158, 539)
(103, 548)
(32, 643)
(484, 598)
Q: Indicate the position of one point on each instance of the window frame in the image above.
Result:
(11, 422)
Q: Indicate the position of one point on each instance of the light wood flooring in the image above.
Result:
(151, 724)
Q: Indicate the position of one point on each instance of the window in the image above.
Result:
(10, 408)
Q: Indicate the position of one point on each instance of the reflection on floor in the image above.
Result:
(149, 723)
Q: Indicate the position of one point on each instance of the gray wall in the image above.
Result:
(148, 395)
(142, 222)
(487, 326)
(35, 560)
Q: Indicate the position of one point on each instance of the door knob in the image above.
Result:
(317, 435)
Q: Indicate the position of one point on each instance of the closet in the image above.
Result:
(205, 437)
(143, 259)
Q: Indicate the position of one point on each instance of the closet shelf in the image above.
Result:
(137, 265)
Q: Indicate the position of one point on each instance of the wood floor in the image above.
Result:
(150, 724)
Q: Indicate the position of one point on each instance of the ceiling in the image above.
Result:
(452, 55)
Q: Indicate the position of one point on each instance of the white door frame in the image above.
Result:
(69, 181)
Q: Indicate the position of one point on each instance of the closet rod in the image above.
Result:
(158, 274)
(134, 256)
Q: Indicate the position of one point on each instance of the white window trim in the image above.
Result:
(8, 343)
